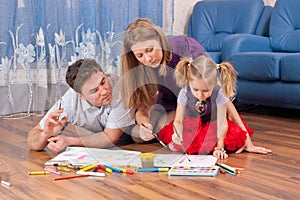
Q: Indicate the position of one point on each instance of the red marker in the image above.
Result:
(104, 168)
(129, 171)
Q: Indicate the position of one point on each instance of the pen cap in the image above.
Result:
(147, 159)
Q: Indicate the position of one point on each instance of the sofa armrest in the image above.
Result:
(237, 43)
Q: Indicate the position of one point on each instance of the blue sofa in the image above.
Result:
(267, 58)
(269, 67)
(212, 21)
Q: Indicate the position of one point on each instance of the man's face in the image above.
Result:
(97, 90)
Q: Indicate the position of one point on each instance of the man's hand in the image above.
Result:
(58, 143)
(52, 124)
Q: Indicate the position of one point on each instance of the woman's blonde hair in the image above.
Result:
(136, 93)
(205, 68)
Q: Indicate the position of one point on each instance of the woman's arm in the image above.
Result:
(142, 116)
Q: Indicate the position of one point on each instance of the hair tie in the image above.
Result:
(218, 66)
(189, 64)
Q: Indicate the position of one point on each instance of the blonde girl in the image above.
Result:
(206, 121)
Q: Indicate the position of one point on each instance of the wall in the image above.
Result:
(183, 9)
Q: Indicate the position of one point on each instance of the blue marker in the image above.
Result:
(113, 169)
(162, 169)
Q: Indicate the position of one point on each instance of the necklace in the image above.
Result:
(200, 106)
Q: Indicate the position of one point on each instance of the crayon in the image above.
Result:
(6, 183)
(60, 164)
(64, 169)
(88, 168)
(39, 173)
(90, 173)
(52, 171)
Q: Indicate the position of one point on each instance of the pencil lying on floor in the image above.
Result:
(70, 177)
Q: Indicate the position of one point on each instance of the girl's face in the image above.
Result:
(200, 89)
(148, 52)
(97, 90)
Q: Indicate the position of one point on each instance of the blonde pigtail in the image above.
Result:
(181, 72)
(229, 79)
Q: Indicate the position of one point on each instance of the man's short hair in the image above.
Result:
(80, 71)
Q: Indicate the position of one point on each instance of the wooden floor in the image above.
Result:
(275, 176)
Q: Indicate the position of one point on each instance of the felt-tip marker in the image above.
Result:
(104, 168)
(114, 169)
(159, 169)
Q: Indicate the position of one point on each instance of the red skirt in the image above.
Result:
(201, 138)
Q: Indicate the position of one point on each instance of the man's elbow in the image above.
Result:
(33, 146)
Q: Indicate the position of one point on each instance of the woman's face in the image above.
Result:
(148, 52)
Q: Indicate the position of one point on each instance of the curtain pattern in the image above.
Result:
(40, 38)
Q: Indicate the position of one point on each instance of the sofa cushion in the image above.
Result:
(259, 66)
(290, 68)
(264, 22)
(285, 26)
(213, 20)
(216, 56)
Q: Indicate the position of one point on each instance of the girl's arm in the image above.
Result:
(176, 144)
(222, 128)
(222, 125)
(234, 116)
(179, 116)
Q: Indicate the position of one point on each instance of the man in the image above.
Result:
(90, 103)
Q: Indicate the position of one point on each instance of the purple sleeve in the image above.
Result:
(186, 46)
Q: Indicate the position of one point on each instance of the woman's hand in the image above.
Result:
(145, 132)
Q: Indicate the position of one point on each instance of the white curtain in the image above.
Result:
(40, 38)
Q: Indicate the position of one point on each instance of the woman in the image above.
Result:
(148, 85)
